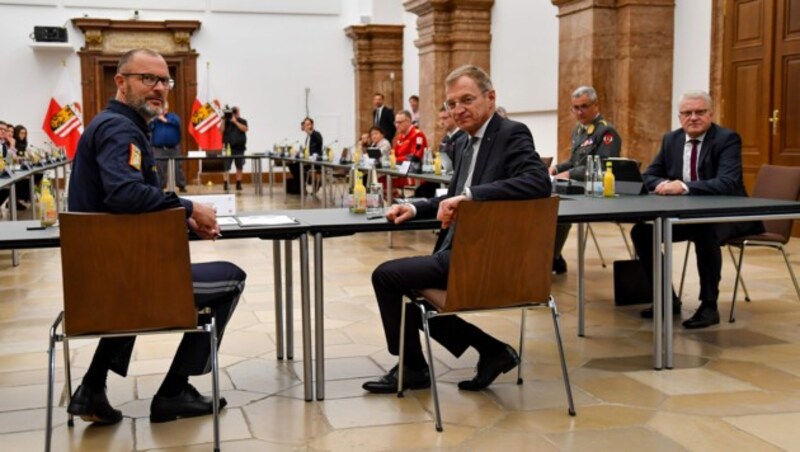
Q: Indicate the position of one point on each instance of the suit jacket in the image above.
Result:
(719, 171)
(385, 122)
(508, 168)
(314, 143)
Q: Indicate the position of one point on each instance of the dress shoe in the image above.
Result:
(647, 313)
(489, 367)
(225, 186)
(238, 185)
(182, 189)
(559, 265)
(93, 406)
(189, 403)
(387, 384)
(704, 317)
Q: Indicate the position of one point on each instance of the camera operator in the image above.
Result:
(234, 130)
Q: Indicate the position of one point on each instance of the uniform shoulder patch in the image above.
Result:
(608, 138)
(603, 122)
(590, 129)
(135, 157)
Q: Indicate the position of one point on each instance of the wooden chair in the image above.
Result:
(772, 182)
(125, 275)
(502, 255)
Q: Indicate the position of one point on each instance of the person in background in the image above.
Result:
(114, 172)
(383, 116)
(20, 139)
(497, 161)
(701, 158)
(378, 140)
(591, 136)
(451, 133)
(234, 133)
(502, 112)
(314, 145)
(165, 137)
(409, 141)
(413, 103)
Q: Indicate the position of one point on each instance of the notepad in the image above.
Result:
(227, 221)
(265, 220)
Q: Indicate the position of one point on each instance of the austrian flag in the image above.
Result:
(63, 122)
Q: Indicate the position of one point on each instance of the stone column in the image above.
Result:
(378, 63)
(451, 33)
(624, 48)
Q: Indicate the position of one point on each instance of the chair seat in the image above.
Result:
(436, 297)
(764, 237)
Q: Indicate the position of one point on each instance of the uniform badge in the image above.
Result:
(590, 129)
(135, 157)
(588, 142)
(608, 139)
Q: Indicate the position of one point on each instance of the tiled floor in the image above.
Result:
(735, 386)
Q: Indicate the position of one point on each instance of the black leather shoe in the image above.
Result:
(225, 186)
(704, 317)
(489, 367)
(647, 313)
(387, 384)
(559, 265)
(93, 406)
(182, 189)
(238, 185)
(189, 403)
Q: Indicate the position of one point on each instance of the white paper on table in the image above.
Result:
(441, 191)
(403, 168)
(225, 205)
(227, 221)
(265, 220)
(196, 154)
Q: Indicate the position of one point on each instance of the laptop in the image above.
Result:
(375, 154)
(627, 178)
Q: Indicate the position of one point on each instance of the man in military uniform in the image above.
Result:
(114, 171)
(592, 135)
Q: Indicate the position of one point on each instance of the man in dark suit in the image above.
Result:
(495, 161)
(383, 117)
(700, 158)
(451, 134)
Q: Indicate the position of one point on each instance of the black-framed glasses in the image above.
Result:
(152, 79)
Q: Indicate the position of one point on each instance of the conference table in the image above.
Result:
(255, 158)
(663, 212)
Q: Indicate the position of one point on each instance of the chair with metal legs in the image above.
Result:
(772, 182)
(112, 290)
(494, 242)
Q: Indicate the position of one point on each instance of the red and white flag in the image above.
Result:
(206, 116)
(63, 122)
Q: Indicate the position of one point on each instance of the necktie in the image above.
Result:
(693, 160)
(377, 117)
(463, 175)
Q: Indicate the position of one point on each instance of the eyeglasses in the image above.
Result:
(465, 101)
(690, 113)
(152, 79)
(582, 107)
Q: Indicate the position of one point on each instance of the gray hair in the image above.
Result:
(697, 94)
(405, 113)
(474, 72)
(587, 90)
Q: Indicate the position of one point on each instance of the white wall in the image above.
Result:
(692, 67)
(410, 61)
(525, 66)
(261, 60)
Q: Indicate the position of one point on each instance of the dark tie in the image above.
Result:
(466, 162)
(377, 117)
(693, 161)
(463, 173)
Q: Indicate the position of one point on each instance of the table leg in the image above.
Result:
(389, 200)
(271, 168)
(12, 206)
(666, 294)
(58, 189)
(319, 317)
(306, 309)
(323, 187)
(658, 302)
(581, 282)
(276, 264)
(285, 190)
(289, 288)
(302, 185)
(171, 174)
(32, 196)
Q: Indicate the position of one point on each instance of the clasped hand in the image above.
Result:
(204, 221)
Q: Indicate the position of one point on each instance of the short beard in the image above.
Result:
(140, 105)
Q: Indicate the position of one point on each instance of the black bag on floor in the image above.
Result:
(631, 284)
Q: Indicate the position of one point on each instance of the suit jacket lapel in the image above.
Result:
(487, 143)
(705, 150)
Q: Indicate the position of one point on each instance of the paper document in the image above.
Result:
(227, 221)
(266, 220)
(225, 205)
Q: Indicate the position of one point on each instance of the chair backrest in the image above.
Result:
(126, 272)
(547, 161)
(212, 164)
(502, 254)
(778, 182)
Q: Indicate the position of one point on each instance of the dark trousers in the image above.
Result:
(217, 285)
(392, 279)
(706, 246)
(562, 233)
(163, 165)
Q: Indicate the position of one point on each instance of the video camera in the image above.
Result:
(227, 112)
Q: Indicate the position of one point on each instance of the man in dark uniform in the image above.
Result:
(591, 136)
(496, 161)
(114, 171)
